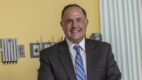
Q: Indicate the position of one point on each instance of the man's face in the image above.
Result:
(74, 24)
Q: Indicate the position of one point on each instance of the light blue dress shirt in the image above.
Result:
(82, 52)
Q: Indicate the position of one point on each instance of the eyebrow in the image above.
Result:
(75, 18)
(79, 18)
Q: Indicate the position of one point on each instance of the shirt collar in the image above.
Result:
(71, 45)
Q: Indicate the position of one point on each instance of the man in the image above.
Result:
(77, 58)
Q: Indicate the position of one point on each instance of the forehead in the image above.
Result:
(73, 11)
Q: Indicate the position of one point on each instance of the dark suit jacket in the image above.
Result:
(56, 62)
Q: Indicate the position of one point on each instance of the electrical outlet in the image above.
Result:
(35, 49)
(21, 50)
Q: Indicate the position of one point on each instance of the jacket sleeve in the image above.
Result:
(45, 71)
(113, 72)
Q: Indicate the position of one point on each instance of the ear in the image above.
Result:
(86, 21)
(61, 23)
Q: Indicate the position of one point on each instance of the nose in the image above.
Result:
(74, 24)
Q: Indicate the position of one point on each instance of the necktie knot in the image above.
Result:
(77, 48)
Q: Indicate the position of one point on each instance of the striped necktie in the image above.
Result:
(79, 67)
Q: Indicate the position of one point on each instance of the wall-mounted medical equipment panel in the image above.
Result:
(96, 36)
(35, 48)
(9, 50)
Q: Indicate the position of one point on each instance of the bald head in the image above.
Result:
(73, 5)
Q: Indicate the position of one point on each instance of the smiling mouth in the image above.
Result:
(74, 31)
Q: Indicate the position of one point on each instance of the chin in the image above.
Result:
(76, 40)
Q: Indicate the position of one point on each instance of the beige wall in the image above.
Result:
(27, 20)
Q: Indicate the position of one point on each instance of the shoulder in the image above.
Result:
(100, 48)
(97, 43)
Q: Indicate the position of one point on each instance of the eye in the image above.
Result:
(68, 21)
(79, 20)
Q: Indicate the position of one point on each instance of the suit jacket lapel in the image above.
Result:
(66, 60)
(89, 58)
